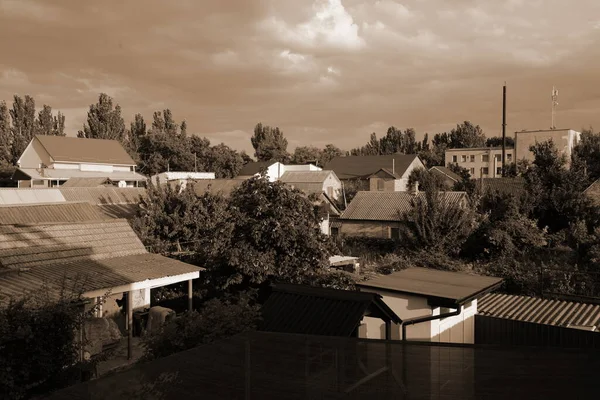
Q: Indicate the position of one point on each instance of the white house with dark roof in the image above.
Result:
(274, 169)
(50, 161)
(314, 182)
(434, 305)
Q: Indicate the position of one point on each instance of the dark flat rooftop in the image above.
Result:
(268, 366)
(456, 287)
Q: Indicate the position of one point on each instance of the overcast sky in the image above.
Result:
(328, 72)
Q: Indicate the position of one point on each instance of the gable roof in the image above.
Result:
(17, 196)
(62, 174)
(387, 206)
(253, 168)
(513, 186)
(87, 182)
(320, 311)
(52, 212)
(593, 192)
(349, 167)
(215, 186)
(445, 173)
(83, 150)
(307, 181)
(387, 172)
(103, 195)
(540, 311)
(436, 285)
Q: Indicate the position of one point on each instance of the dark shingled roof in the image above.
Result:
(80, 150)
(445, 286)
(253, 168)
(445, 173)
(387, 206)
(364, 166)
(273, 366)
(319, 311)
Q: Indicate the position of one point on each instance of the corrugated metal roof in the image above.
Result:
(30, 196)
(317, 311)
(74, 149)
(61, 174)
(387, 206)
(103, 195)
(306, 176)
(54, 212)
(540, 311)
(349, 167)
(126, 211)
(86, 182)
(432, 283)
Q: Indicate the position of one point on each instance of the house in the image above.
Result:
(327, 211)
(89, 182)
(269, 366)
(378, 214)
(537, 321)
(481, 162)
(314, 182)
(381, 173)
(436, 306)
(565, 141)
(50, 161)
(446, 175)
(102, 258)
(309, 310)
(274, 169)
(180, 177)
(593, 192)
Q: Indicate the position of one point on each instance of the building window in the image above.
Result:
(485, 158)
(463, 158)
(395, 233)
(485, 171)
(473, 158)
(454, 158)
(472, 170)
(509, 157)
(335, 232)
(498, 157)
(380, 184)
(498, 170)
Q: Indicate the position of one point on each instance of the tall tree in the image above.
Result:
(306, 154)
(23, 124)
(587, 152)
(5, 136)
(329, 153)
(48, 124)
(137, 131)
(496, 141)
(224, 162)
(466, 135)
(104, 121)
(269, 144)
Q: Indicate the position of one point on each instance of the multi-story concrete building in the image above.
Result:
(564, 139)
(482, 162)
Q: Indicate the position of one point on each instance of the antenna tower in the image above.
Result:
(554, 104)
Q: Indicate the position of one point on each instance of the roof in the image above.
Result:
(320, 311)
(103, 195)
(387, 206)
(216, 186)
(348, 167)
(445, 172)
(174, 175)
(63, 174)
(445, 286)
(87, 182)
(253, 168)
(479, 148)
(388, 172)
(306, 176)
(97, 254)
(269, 366)
(342, 260)
(593, 192)
(53, 212)
(83, 150)
(545, 130)
(540, 311)
(30, 196)
(515, 186)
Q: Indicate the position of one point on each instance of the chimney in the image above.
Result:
(416, 190)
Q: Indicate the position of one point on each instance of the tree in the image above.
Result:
(269, 144)
(23, 125)
(426, 179)
(224, 161)
(104, 121)
(496, 141)
(5, 136)
(329, 153)
(161, 152)
(587, 152)
(466, 135)
(245, 157)
(466, 184)
(306, 154)
(48, 124)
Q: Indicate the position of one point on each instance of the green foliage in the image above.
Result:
(496, 141)
(104, 121)
(269, 144)
(426, 179)
(217, 319)
(329, 153)
(587, 152)
(23, 125)
(466, 135)
(466, 184)
(5, 136)
(48, 124)
(306, 154)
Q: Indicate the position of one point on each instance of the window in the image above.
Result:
(509, 157)
(485, 158)
(394, 233)
(498, 157)
(473, 158)
(334, 232)
(485, 171)
(380, 184)
(472, 170)
(498, 170)
(454, 158)
(463, 158)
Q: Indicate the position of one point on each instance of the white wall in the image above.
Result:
(307, 167)
(333, 183)
(456, 329)
(96, 167)
(34, 155)
(275, 171)
(401, 185)
(64, 166)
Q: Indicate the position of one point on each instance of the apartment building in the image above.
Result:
(564, 140)
(482, 162)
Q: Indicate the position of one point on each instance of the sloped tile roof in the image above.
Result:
(80, 150)
(387, 206)
(53, 212)
(457, 287)
(349, 167)
(306, 176)
(10, 196)
(61, 174)
(540, 311)
(445, 172)
(318, 311)
(103, 195)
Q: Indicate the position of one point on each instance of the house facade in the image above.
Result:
(323, 181)
(434, 305)
(274, 169)
(483, 162)
(50, 161)
(564, 139)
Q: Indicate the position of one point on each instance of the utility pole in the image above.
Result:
(504, 130)
(554, 104)
(195, 164)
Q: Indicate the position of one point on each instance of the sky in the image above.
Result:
(324, 71)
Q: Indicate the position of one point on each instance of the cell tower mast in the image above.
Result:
(554, 104)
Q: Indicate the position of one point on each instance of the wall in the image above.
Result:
(564, 139)
(307, 167)
(456, 329)
(275, 171)
(33, 155)
(335, 184)
(494, 160)
(377, 229)
(388, 184)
